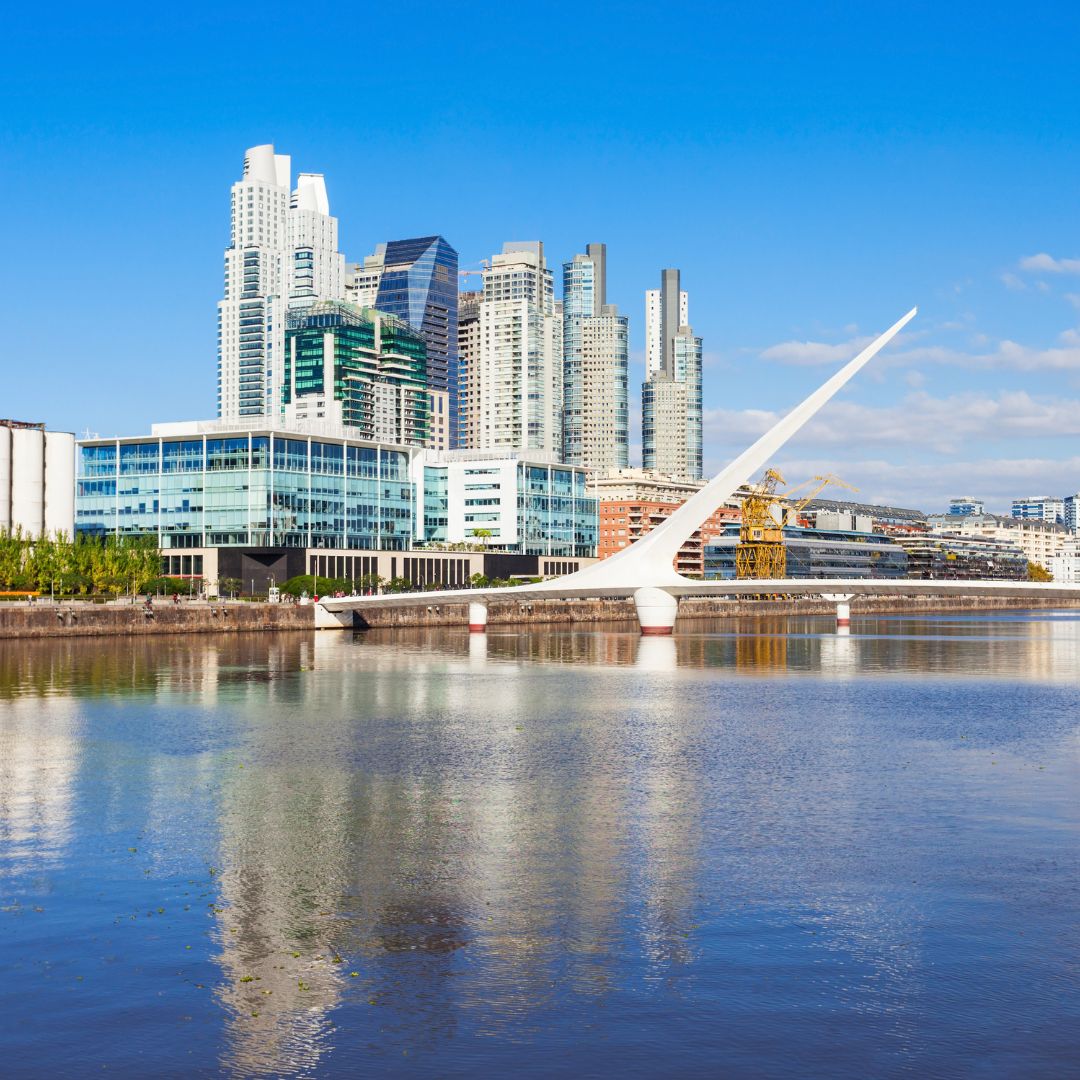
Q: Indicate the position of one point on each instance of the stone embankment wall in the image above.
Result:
(43, 620)
(597, 611)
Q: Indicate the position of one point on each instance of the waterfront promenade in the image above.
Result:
(48, 619)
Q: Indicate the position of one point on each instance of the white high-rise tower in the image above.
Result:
(282, 253)
(519, 364)
(671, 402)
(654, 351)
(595, 367)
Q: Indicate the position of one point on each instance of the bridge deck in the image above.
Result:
(551, 590)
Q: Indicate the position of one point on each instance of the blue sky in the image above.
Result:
(813, 169)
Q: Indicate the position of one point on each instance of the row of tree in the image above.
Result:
(373, 583)
(62, 566)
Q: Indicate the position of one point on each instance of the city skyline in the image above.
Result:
(813, 196)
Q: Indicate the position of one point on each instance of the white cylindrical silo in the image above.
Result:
(59, 482)
(5, 479)
(28, 480)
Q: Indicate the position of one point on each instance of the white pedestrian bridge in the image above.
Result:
(645, 570)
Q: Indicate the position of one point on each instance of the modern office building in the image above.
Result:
(952, 556)
(469, 399)
(819, 552)
(258, 503)
(671, 397)
(359, 368)
(1039, 540)
(510, 501)
(417, 280)
(282, 254)
(1039, 508)
(965, 506)
(207, 484)
(595, 420)
(1072, 513)
(519, 367)
(653, 335)
(37, 479)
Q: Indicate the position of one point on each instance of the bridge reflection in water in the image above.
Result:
(479, 839)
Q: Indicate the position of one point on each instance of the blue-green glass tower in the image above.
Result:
(419, 284)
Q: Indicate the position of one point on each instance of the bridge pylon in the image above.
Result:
(648, 563)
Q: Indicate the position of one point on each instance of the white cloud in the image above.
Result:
(927, 486)
(1047, 264)
(1005, 355)
(919, 422)
(1013, 283)
(814, 352)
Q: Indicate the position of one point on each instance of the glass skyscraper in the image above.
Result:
(417, 280)
(357, 367)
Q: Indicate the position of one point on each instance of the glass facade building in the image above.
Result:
(419, 284)
(254, 488)
(512, 505)
(688, 362)
(357, 367)
(817, 553)
(555, 514)
(211, 485)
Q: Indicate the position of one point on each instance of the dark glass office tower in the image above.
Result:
(419, 284)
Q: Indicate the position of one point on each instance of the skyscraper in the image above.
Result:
(282, 253)
(469, 398)
(519, 366)
(671, 401)
(653, 337)
(356, 367)
(595, 367)
(417, 280)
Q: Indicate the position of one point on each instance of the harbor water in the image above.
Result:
(756, 849)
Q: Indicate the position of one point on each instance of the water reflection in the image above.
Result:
(39, 761)
(423, 840)
(1043, 646)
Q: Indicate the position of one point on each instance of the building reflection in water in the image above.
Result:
(448, 828)
(411, 831)
(39, 762)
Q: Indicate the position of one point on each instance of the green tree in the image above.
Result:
(370, 583)
(313, 586)
(83, 555)
(12, 554)
(229, 586)
(43, 563)
(109, 567)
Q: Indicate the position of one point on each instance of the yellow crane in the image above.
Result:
(795, 508)
(760, 552)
